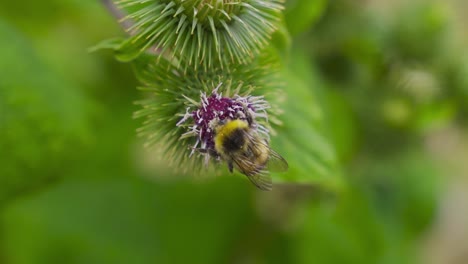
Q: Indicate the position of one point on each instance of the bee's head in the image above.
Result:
(228, 123)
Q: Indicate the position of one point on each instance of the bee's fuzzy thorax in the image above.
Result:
(231, 126)
(228, 130)
(235, 111)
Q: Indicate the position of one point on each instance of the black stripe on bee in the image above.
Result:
(234, 141)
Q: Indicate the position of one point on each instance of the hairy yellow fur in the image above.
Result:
(225, 130)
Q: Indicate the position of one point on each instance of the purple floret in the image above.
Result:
(222, 108)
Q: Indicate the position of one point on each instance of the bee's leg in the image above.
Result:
(201, 150)
(207, 151)
(248, 115)
(213, 153)
(230, 166)
(249, 119)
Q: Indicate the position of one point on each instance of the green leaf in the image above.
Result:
(281, 39)
(129, 221)
(113, 44)
(348, 230)
(129, 50)
(342, 124)
(404, 188)
(302, 139)
(388, 204)
(302, 14)
(42, 117)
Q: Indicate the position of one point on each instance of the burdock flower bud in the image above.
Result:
(201, 32)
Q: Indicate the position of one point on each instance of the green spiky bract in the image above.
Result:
(172, 91)
(212, 33)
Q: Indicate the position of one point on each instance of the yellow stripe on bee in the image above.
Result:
(225, 130)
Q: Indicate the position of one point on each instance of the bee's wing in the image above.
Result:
(260, 178)
(275, 161)
(259, 175)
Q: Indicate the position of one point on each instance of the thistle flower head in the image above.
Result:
(200, 32)
(184, 107)
(204, 116)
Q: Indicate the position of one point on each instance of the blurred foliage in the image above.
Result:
(37, 130)
(365, 88)
(389, 73)
(301, 14)
(129, 221)
(302, 135)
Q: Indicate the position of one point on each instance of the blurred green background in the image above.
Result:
(388, 89)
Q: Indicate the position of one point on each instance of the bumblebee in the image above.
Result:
(237, 143)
